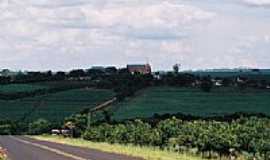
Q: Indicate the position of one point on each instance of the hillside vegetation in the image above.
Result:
(53, 107)
(15, 88)
(193, 101)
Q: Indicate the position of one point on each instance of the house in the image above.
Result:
(139, 68)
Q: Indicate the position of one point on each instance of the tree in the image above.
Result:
(60, 75)
(107, 116)
(176, 68)
(5, 129)
(206, 84)
(77, 73)
(95, 73)
(111, 70)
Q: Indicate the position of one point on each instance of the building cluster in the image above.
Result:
(139, 68)
(132, 68)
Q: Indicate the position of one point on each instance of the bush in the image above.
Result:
(101, 133)
(40, 126)
(5, 129)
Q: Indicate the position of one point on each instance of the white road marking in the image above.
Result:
(59, 152)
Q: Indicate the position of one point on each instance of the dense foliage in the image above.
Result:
(243, 135)
(39, 126)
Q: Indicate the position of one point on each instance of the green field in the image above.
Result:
(193, 101)
(54, 107)
(15, 88)
(63, 84)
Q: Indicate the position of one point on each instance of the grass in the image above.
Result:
(15, 88)
(54, 107)
(148, 153)
(193, 101)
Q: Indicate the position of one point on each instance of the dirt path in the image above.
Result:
(104, 105)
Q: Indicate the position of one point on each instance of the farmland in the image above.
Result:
(53, 107)
(192, 101)
(15, 88)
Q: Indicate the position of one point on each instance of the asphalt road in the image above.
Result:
(24, 148)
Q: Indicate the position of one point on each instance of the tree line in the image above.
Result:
(108, 77)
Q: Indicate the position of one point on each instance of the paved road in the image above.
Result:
(23, 148)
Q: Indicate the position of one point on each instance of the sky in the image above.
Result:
(69, 34)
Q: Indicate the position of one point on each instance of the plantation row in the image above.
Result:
(18, 91)
(211, 138)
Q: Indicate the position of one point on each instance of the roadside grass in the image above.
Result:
(147, 153)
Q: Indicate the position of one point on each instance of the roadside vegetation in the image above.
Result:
(249, 137)
(242, 137)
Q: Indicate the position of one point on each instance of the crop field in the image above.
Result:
(265, 75)
(15, 88)
(193, 101)
(53, 107)
(63, 83)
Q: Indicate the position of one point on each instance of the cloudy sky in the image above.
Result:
(66, 34)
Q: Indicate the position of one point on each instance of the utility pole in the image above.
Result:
(89, 119)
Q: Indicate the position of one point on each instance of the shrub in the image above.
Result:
(39, 126)
(5, 129)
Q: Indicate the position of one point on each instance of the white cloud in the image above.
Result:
(158, 20)
(267, 38)
(83, 32)
(251, 51)
(257, 2)
(57, 34)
